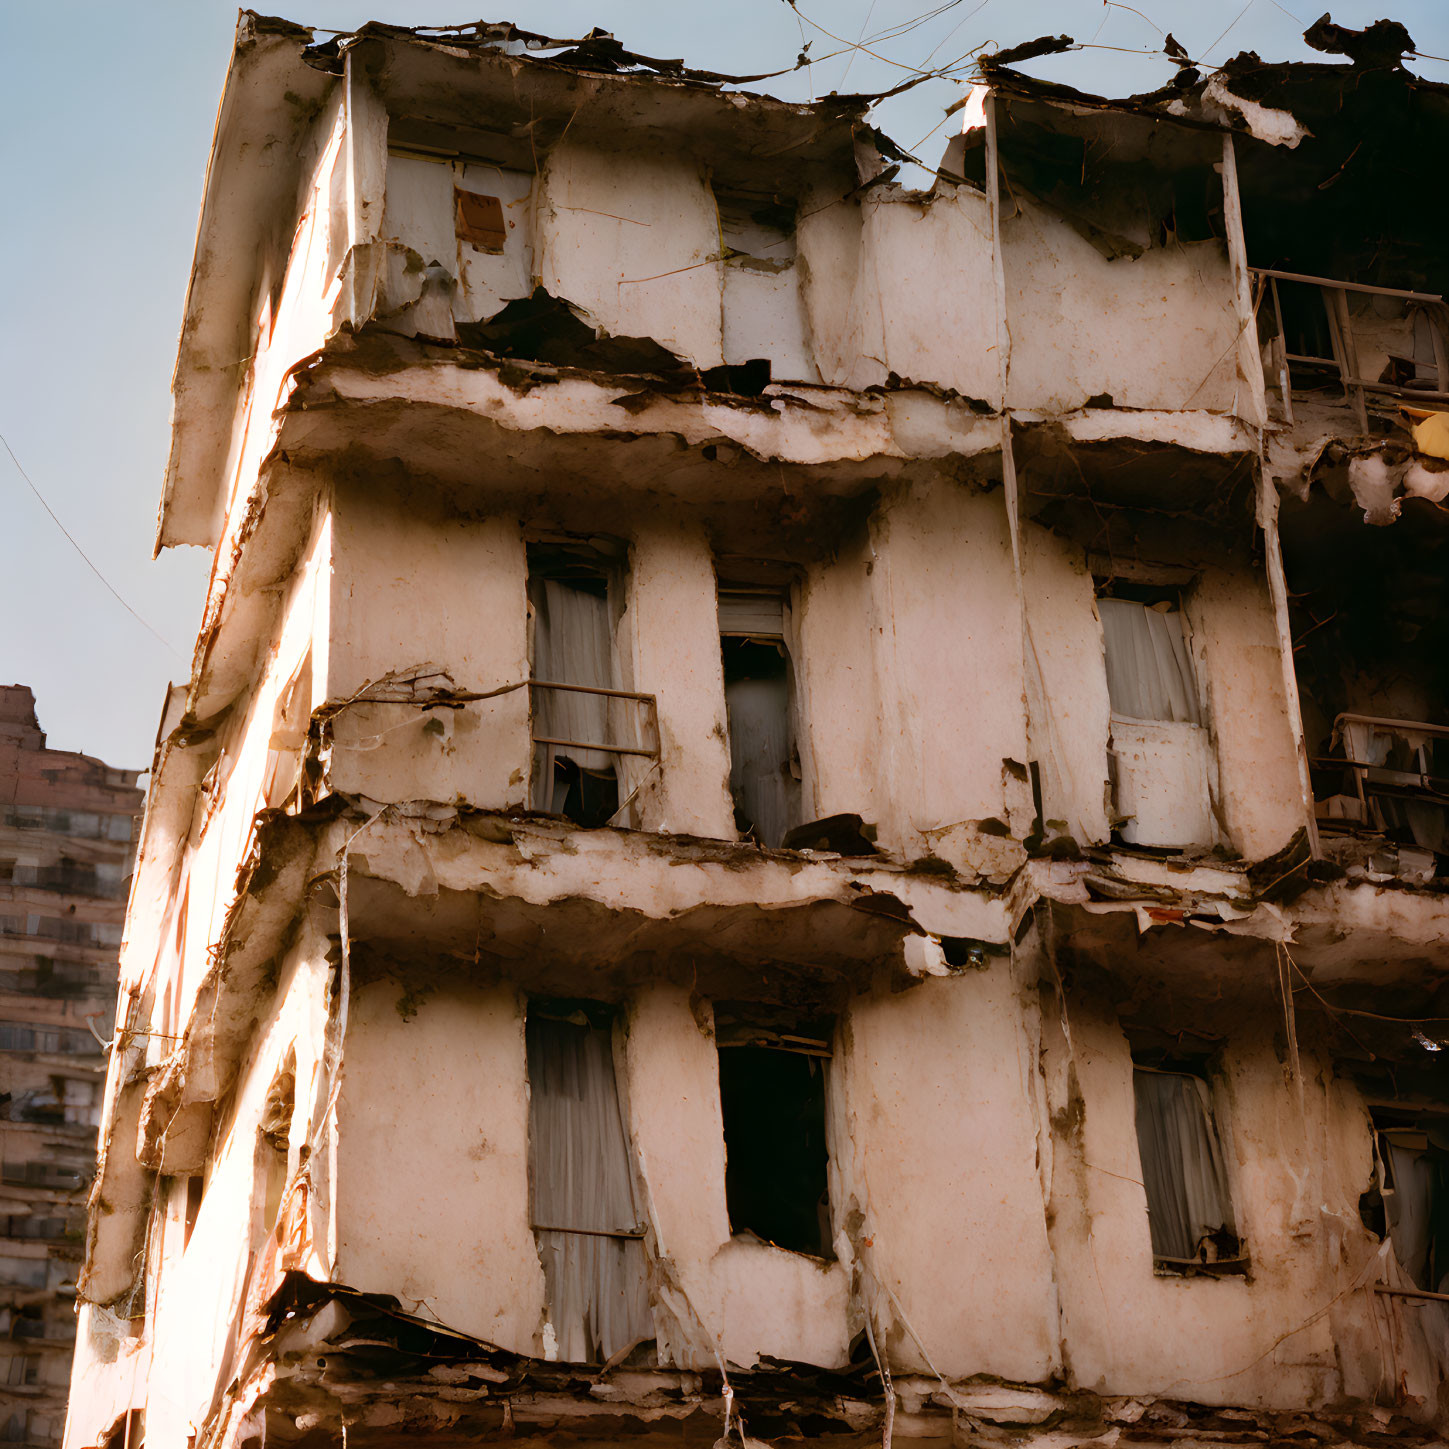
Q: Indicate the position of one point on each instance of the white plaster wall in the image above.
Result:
(892, 285)
(764, 316)
(755, 1300)
(948, 640)
(225, 813)
(432, 1160)
(938, 1095)
(1071, 711)
(633, 238)
(931, 269)
(1156, 331)
(420, 216)
(202, 1286)
(675, 639)
(298, 325)
(1165, 776)
(411, 587)
(836, 677)
(1259, 795)
(1264, 1340)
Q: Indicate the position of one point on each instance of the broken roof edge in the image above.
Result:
(206, 359)
(1203, 97)
(253, 165)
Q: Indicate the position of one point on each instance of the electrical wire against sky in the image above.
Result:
(89, 563)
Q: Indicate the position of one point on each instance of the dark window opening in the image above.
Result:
(1184, 1173)
(772, 1084)
(571, 643)
(1308, 336)
(759, 700)
(1408, 1197)
(195, 1191)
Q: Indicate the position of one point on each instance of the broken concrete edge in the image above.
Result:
(163, 1118)
(323, 1355)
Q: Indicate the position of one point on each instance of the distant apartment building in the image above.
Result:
(808, 810)
(67, 824)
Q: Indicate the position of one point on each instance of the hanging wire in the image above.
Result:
(70, 538)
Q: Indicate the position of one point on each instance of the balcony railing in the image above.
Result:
(1396, 774)
(590, 748)
(1413, 377)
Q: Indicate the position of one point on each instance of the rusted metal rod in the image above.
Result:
(592, 1232)
(605, 749)
(1410, 1293)
(1346, 286)
(589, 689)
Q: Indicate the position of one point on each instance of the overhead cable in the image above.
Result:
(85, 556)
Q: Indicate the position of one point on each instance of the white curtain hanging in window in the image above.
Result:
(1406, 1207)
(1182, 1166)
(598, 1295)
(760, 778)
(1149, 673)
(572, 644)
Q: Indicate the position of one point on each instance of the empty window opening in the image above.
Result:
(1408, 1199)
(577, 718)
(757, 229)
(772, 1084)
(759, 700)
(586, 1218)
(1149, 671)
(1189, 1208)
(195, 1192)
(763, 311)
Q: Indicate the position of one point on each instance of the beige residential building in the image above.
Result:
(66, 826)
(805, 809)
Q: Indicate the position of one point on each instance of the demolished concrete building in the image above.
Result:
(66, 827)
(805, 809)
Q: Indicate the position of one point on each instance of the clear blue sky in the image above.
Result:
(106, 113)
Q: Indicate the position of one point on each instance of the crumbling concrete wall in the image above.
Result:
(863, 260)
(432, 1158)
(674, 633)
(1070, 715)
(744, 1298)
(633, 238)
(1295, 1175)
(943, 562)
(417, 590)
(1234, 637)
(212, 1285)
(940, 1123)
(1155, 331)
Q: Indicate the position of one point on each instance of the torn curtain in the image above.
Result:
(572, 643)
(1149, 673)
(1182, 1164)
(584, 1211)
(760, 778)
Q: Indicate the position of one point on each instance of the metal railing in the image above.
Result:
(1403, 773)
(650, 713)
(621, 725)
(1345, 359)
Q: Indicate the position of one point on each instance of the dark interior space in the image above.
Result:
(1366, 607)
(773, 1101)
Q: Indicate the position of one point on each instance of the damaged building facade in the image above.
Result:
(66, 827)
(805, 809)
